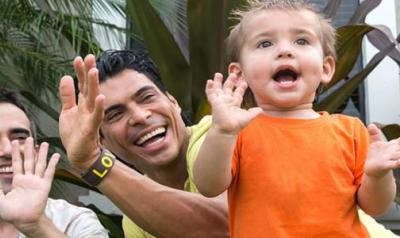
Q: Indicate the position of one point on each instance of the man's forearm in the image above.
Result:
(376, 194)
(164, 211)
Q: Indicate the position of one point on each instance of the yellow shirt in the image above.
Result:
(197, 134)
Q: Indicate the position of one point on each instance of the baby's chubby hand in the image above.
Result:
(383, 156)
(225, 100)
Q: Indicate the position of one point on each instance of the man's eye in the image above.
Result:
(19, 137)
(147, 97)
(264, 44)
(302, 42)
(113, 116)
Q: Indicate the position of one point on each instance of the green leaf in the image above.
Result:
(362, 11)
(164, 51)
(381, 37)
(349, 44)
(391, 131)
(337, 98)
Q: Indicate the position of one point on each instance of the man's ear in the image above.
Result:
(173, 100)
(235, 68)
(328, 69)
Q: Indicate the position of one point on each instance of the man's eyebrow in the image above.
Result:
(20, 130)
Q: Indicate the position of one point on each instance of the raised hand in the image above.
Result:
(24, 204)
(383, 156)
(225, 100)
(79, 123)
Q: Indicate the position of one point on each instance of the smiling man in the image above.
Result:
(140, 123)
(25, 182)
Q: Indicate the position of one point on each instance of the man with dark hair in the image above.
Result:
(140, 123)
(25, 209)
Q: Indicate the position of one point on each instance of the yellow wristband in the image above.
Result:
(99, 169)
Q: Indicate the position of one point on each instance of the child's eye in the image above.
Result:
(302, 42)
(264, 44)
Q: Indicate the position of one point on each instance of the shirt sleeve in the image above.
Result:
(74, 221)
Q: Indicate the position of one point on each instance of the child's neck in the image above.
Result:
(304, 111)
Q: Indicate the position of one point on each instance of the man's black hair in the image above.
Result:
(112, 62)
(8, 96)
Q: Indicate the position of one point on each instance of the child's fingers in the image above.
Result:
(218, 78)
(41, 161)
(16, 158)
(374, 133)
(230, 84)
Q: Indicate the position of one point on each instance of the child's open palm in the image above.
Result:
(383, 156)
(225, 99)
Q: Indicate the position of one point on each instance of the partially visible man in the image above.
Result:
(142, 125)
(25, 181)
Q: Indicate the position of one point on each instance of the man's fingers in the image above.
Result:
(374, 133)
(41, 159)
(67, 93)
(16, 158)
(29, 161)
(98, 112)
(92, 87)
(51, 168)
(79, 67)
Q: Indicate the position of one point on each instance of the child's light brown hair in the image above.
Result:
(236, 37)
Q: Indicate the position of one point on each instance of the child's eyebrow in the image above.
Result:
(305, 31)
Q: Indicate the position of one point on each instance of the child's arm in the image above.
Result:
(378, 187)
(212, 168)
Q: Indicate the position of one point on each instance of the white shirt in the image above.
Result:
(73, 221)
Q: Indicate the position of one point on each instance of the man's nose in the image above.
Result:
(138, 114)
(5, 146)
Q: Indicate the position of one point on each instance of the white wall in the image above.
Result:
(383, 84)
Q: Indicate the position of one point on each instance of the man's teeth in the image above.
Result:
(150, 135)
(8, 169)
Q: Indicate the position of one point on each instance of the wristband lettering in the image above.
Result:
(99, 169)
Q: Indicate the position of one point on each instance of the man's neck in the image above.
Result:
(175, 174)
(8, 229)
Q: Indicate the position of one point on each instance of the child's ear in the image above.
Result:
(328, 69)
(235, 68)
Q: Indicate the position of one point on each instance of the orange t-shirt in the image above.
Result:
(298, 178)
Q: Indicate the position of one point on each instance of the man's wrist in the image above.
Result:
(99, 169)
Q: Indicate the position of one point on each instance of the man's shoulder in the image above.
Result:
(73, 220)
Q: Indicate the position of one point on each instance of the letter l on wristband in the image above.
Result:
(99, 169)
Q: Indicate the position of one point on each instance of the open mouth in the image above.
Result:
(6, 169)
(153, 136)
(285, 76)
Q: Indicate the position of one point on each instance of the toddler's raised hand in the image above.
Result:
(225, 100)
(383, 156)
